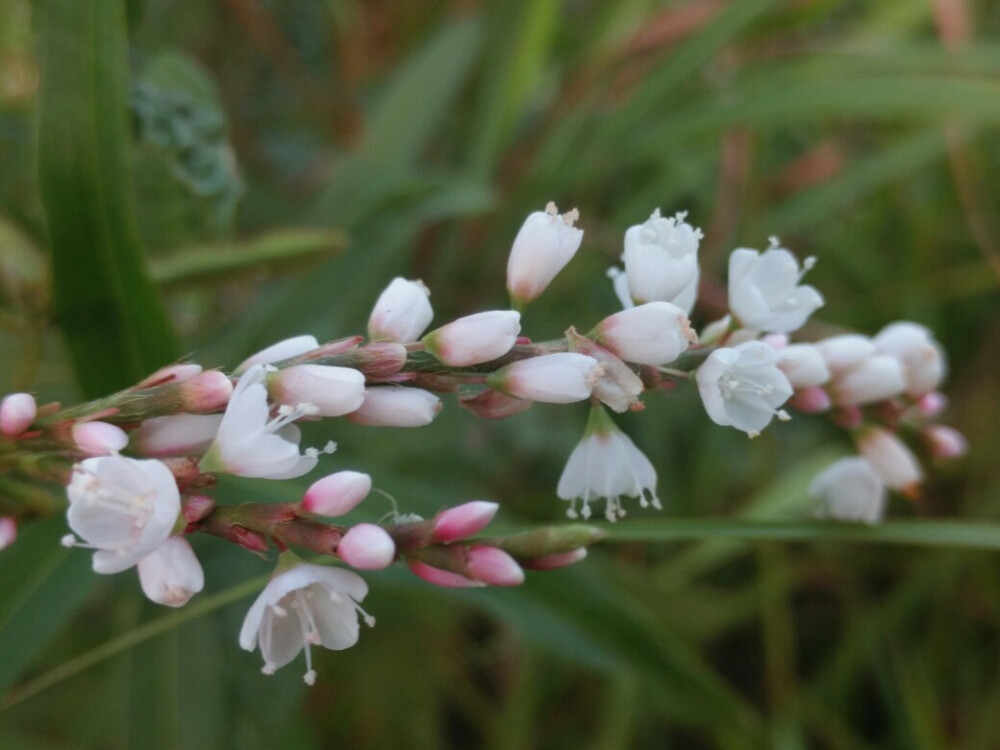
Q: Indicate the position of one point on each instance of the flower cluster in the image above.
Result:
(139, 466)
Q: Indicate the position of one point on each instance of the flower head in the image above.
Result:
(742, 386)
(764, 289)
(122, 507)
(303, 606)
(543, 246)
(661, 259)
(606, 463)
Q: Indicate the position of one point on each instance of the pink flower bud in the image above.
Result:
(811, 400)
(333, 391)
(945, 442)
(98, 438)
(382, 359)
(8, 531)
(402, 312)
(932, 404)
(367, 547)
(463, 520)
(396, 406)
(176, 435)
(490, 404)
(170, 374)
(494, 566)
(651, 334)
(892, 460)
(195, 507)
(17, 412)
(557, 560)
(849, 417)
(545, 243)
(171, 574)
(474, 339)
(207, 392)
(443, 578)
(560, 378)
(279, 352)
(337, 494)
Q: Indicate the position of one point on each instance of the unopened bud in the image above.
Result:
(474, 339)
(367, 547)
(945, 442)
(402, 312)
(8, 531)
(803, 365)
(443, 578)
(844, 352)
(560, 378)
(176, 435)
(932, 404)
(545, 243)
(171, 574)
(381, 359)
(892, 460)
(17, 412)
(494, 566)
(396, 406)
(557, 560)
(196, 507)
(337, 494)
(463, 520)
(811, 400)
(875, 378)
(333, 391)
(490, 404)
(655, 333)
(207, 392)
(99, 438)
(293, 347)
(170, 374)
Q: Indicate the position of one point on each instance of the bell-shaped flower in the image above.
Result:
(544, 245)
(302, 606)
(122, 507)
(661, 258)
(651, 334)
(396, 406)
(742, 386)
(171, 574)
(560, 378)
(921, 357)
(803, 365)
(891, 459)
(279, 352)
(325, 391)
(337, 494)
(402, 312)
(765, 293)
(17, 412)
(606, 464)
(250, 443)
(175, 435)
(849, 490)
(474, 339)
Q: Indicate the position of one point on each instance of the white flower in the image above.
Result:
(544, 245)
(651, 334)
(606, 463)
(283, 350)
(474, 339)
(176, 435)
(324, 390)
(122, 507)
(891, 459)
(843, 352)
(661, 259)
(803, 365)
(874, 378)
(250, 443)
(764, 290)
(402, 312)
(921, 357)
(302, 606)
(397, 406)
(171, 574)
(560, 378)
(849, 490)
(742, 386)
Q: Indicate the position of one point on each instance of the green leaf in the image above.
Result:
(116, 328)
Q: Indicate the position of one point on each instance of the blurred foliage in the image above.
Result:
(263, 133)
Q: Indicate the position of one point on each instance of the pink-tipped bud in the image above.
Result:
(444, 578)
(170, 374)
(945, 442)
(99, 438)
(329, 391)
(382, 359)
(8, 531)
(892, 460)
(655, 333)
(559, 378)
(176, 435)
(17, 412)
(849, 417)
(402, 312)
(196, 507)
(367, 547)
(337, 494)
(557, 560)
(207, 392)
(396, 406)
(494, 566)
(490, 404)
(463, 520)
(293, 347)
(247, 539)
(811, 400)
(932, 404)
(474, 339)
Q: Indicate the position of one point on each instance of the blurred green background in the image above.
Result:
(276, 163)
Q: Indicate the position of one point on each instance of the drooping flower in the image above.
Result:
(661, 260)
(122, 507)
(560, 378)
(742, 386)
(921, 357)
(171, 574)
(764, 290)
(655, 333)
(849, 490)
(474, 339)
(402, 312)
(606, 463)
(250, 443)
(544, 245)
(302, 606)
(17, 412)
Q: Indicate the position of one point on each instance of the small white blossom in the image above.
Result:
(171, 574)
(661, 258)
(474, 339)
(122, 507)
(606, 463)
(402, 312)
(303, 606)
(765, 293)
(849, 490)
(544, 245)
(651, 334)
(921, 357)
(742, 386)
